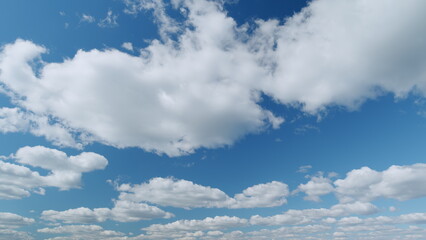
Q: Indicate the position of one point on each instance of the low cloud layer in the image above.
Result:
(204, 88)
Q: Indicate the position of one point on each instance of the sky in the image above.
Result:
(212, 119)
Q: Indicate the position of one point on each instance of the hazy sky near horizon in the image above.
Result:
(212, 119)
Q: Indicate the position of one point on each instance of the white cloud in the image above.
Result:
(123, 211)
(12, 221)
(203, 89)
(87, 18)
(83, 232)
(308, 216)
(16, 120)
(7, 234)
(110, 21)
(128, 46)
(316, 187)
(216, 223)
(304, 168)
(186, 194)
(17, 181)
(397, 182)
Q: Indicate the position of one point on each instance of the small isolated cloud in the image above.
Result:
(87, 18)
(128, 46)
(304, 169)
(64, 172)
(110, 21)
(316, 187)
(186, 194)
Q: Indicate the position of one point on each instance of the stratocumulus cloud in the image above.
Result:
(204, 89)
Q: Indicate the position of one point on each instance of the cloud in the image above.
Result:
(304, 168)
(218, 222)
(14, 120)
(87, 18)
(17, 181)
(201, 86)
(123, 211)
(83, 232)
(110, 21)
(12, 221)
(396, 182)
(128, 46)
(186, 194)
(316, 187)
(308, 216)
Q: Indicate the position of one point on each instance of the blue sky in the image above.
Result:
(212, 119)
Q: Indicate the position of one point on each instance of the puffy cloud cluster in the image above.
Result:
(201, 85)
(123, 211)
(17, 180)
(9, 222)
(365, 184)
(12, 221)
(15, 120)
(186, 194)
(132, 206)
(397, 182)
(83, 232)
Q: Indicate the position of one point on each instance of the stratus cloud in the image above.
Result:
(123, 211)
(204, 89)
(17, 181)
(186, 194)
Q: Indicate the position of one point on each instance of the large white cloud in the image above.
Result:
(186, 194)
(17, 181)
(203, 89)
(397, 182)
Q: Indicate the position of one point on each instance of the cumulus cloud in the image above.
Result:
(316, 187)
(201, 86)
(396, 182)
(186, 194)
(83, 232)
(123, 211)
(308, 216)
(216, 223)
(12, 221)
(17, 180)
(128, 46)
(16, 120)
(9, 222)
